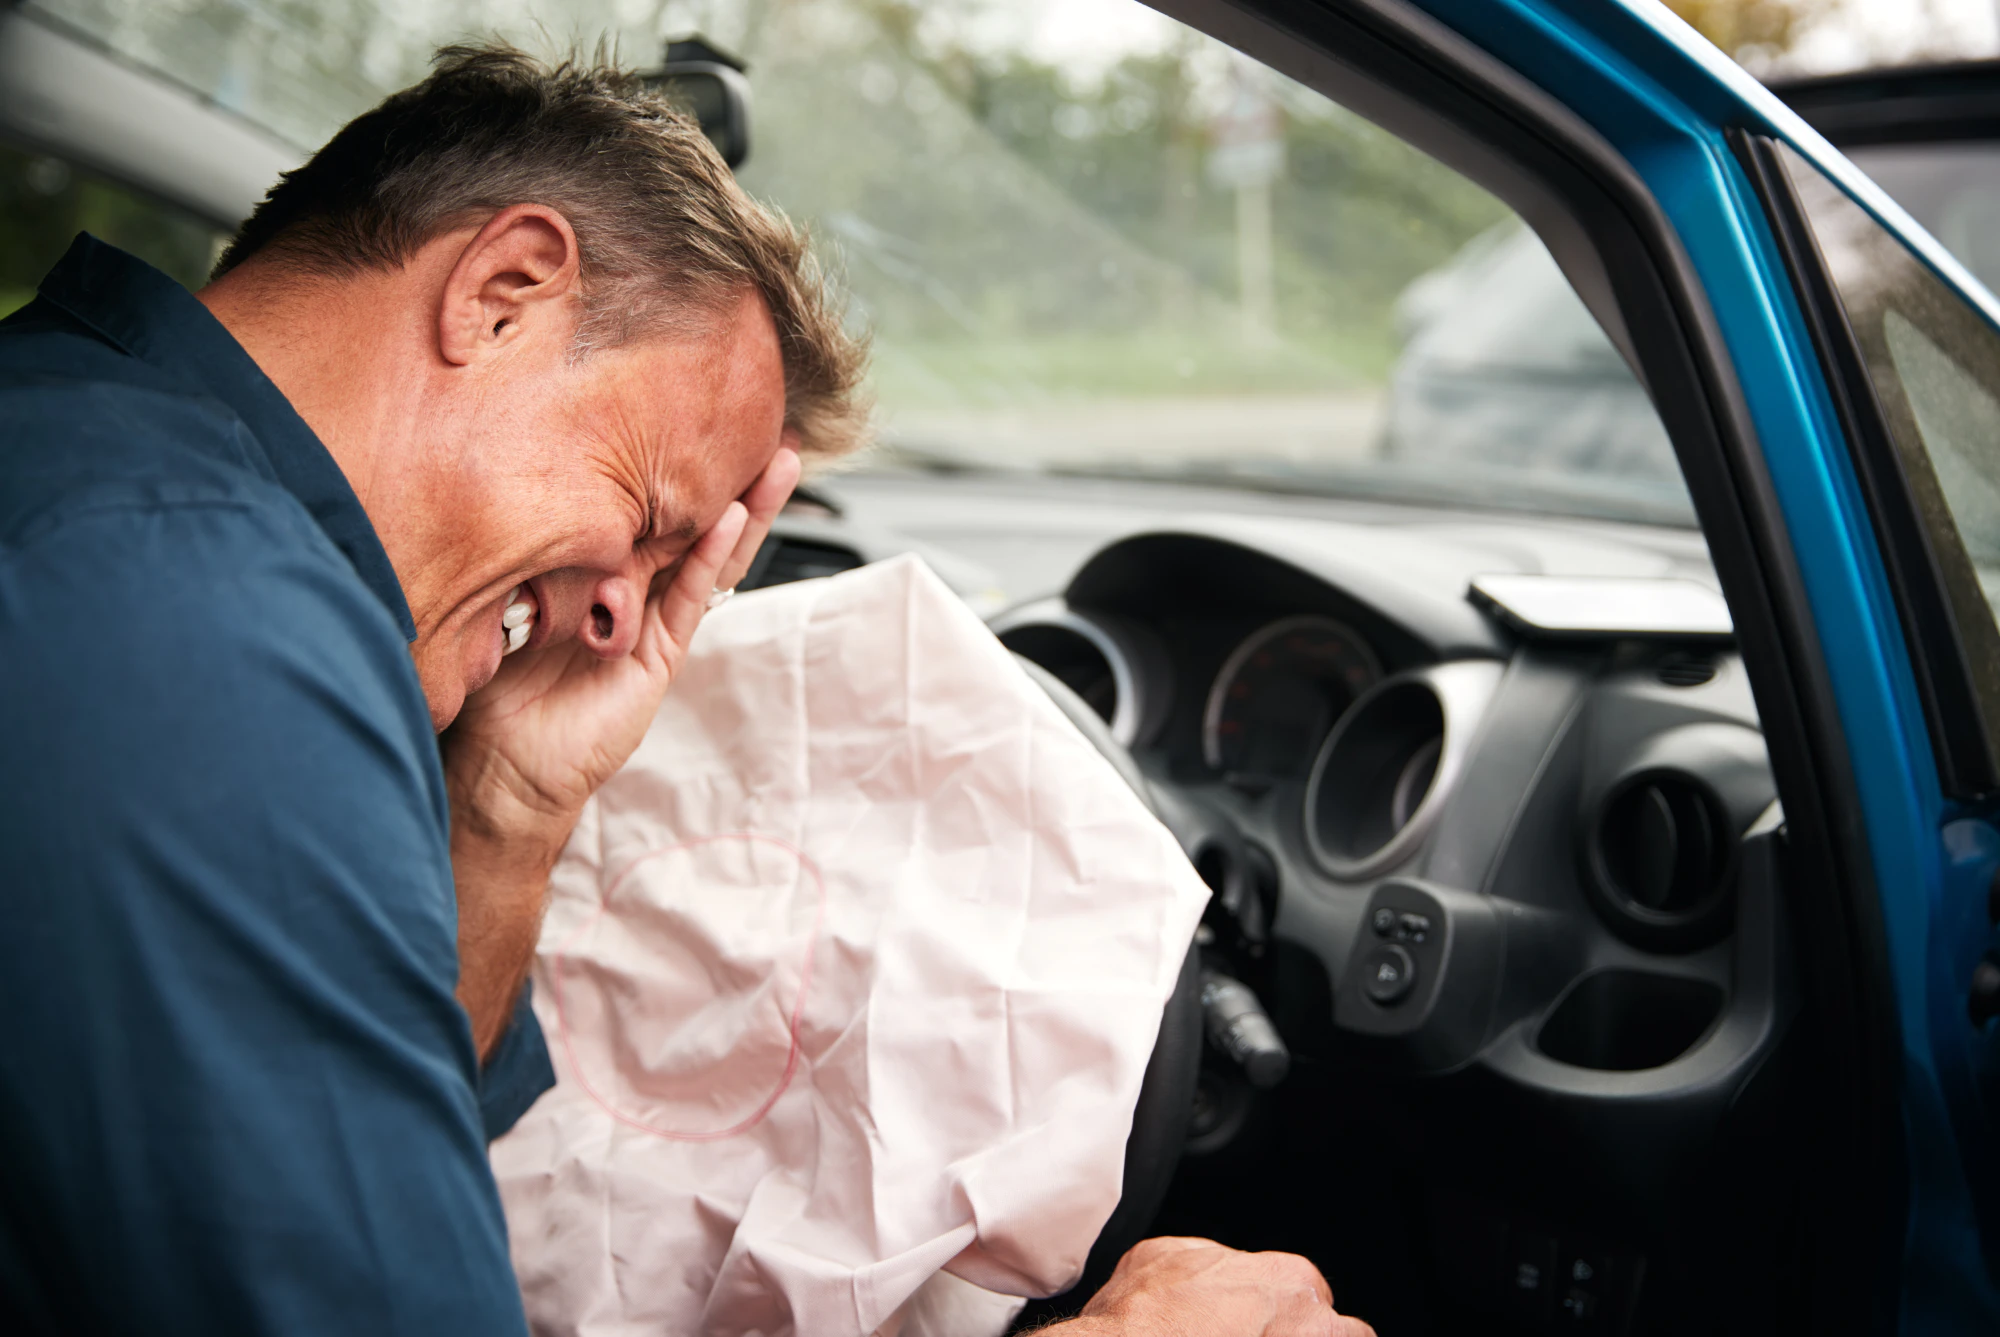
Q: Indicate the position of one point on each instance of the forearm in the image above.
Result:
(500, 899)
(501, 855)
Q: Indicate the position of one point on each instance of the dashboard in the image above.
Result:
(1347, 746)
(1529, 884)
(1277, 691)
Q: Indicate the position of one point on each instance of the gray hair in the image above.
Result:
(668, 240)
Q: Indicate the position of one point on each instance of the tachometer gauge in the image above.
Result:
(1279, 692)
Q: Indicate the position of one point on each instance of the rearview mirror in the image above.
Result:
(707, 82)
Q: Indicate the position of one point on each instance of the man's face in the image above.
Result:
(579, 483)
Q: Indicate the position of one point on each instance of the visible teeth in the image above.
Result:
(517, 621)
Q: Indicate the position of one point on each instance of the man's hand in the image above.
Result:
(530, 748)
(1195, 1288)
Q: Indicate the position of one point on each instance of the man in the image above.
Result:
(481, 410)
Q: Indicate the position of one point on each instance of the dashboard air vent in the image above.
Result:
(1385, 772)
(1112, 664)
(1073, 657)
(793, 559)
(1686, 668)
(1384, 762)
(1660, 860)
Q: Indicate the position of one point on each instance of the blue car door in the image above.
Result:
(1912, 361)
(1868, 364)
(1831, 382)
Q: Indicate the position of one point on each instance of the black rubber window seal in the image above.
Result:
(1960, 739)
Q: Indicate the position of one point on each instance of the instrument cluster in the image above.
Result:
(1280, 692)
(1259, 718)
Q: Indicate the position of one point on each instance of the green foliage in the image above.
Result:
(987, 204)
(1752, 29)
(1357, 214)
(44, 203)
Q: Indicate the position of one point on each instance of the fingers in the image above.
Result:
(766, 497)
(1165, 1244)
(1311, 1306)
(720, 558)
(698, 576)
(1164, 1284)
(1288, 1269)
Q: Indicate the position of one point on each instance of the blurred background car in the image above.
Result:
(1504, 371)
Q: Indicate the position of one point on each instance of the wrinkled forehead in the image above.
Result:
(754, 373)
(714, 407)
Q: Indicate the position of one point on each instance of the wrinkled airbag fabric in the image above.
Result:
(850, 978)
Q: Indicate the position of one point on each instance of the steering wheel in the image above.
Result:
(1166, 1095)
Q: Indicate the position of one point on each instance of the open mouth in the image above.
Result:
(517, 623)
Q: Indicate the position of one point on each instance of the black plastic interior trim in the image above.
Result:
(1937, 652)
(1907, 104)
(1847, 1273)
(64, 92)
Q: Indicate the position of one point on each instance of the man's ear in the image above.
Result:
(516, 277)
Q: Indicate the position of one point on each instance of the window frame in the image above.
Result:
(1965, 741)
(1420, 79)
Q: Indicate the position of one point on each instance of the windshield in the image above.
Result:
(1086, 239)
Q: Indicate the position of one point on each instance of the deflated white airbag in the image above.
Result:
(850, 978)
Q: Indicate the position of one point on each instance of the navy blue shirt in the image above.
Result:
(236, 1092)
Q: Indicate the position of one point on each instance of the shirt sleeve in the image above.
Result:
(517, 1071)
(237, 1094)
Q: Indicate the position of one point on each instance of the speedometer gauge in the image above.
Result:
(1279, 692)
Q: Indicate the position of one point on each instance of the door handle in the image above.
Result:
(1984, 1002)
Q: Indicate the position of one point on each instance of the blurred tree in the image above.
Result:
(45, 202)
(1753, 31)
(906, 129)
(1357, 215)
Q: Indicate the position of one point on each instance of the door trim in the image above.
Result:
(1424, 82)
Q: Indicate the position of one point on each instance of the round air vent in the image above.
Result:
(1097, 657)
(1660, 853)
(1385, 771)
(1378, 773)
(1073, 657)
(1686, 668)
(785, 558)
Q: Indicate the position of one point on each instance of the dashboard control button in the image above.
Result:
(1388, 974)
(1529, 1280)
(1578, 1306)
(1383, 921)
(1584, 1271)
(1414, 927)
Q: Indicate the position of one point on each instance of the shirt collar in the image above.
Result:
(151, 317)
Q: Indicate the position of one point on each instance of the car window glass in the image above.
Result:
(1137, 254)
(1959, 422)
(1952, 189)
(1933, 362)
(45, 201)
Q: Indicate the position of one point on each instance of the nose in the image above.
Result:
(610, 622)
